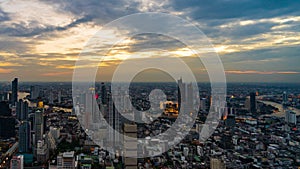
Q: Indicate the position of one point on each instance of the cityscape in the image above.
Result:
(149, 84)
(259, 128)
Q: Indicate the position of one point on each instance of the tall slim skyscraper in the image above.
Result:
(103, 94)
(114, 122)
(252, 102)
(38, 125)
(181, 93)
(22, 110)
(24, 137)
(14, 91)
(284, 100)
(59, 96)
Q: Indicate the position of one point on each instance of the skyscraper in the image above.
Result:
(114, 122)
(22, 110)
(284, 100)
(24, 137)
(252, 102)
(34, 92)
(130, 145)
(14, 91)
(103, 94)
(181, 93)
(38, 125)
(290, 117)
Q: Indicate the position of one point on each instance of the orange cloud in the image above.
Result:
(6, 70)
(57, 73)
(4, 64)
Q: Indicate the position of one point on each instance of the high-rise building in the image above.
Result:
(17, 162)
(59, 96)
(14, 91)
(216, 164)
(22, 110)
(130, 145)
(24, 137)
(181, 94)
(42, 151)
(290, 117)
(39, 126)
(34, 92)
(284, 100)
(114, 122)
(103, 94)
(252, 102)
(66, 160)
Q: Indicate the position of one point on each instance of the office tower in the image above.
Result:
(284, 100)
(14, 91)
(216, 164)
(252, 102)
(17, 162)
(114, 122)
(130, 145)
(24, 137)
(34, 92)
(181, 94)
(66, 160)
(39, 119)
(42, 152)
(103, 94)
(22, 110)
(290, 117)
(59, 96)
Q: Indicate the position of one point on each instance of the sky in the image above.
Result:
(257, 41)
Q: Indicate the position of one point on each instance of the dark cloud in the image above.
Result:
(99, 11)
(226, 9)
(3, 16)
(20, 30)
(279, 59)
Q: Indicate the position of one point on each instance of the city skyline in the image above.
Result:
(256, 41)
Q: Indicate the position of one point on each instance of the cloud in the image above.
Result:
(9, 64)
(259, 72)
(6, 71)
(254, 37)
(54, 74)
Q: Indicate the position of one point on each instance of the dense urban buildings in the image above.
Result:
(258, 129)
